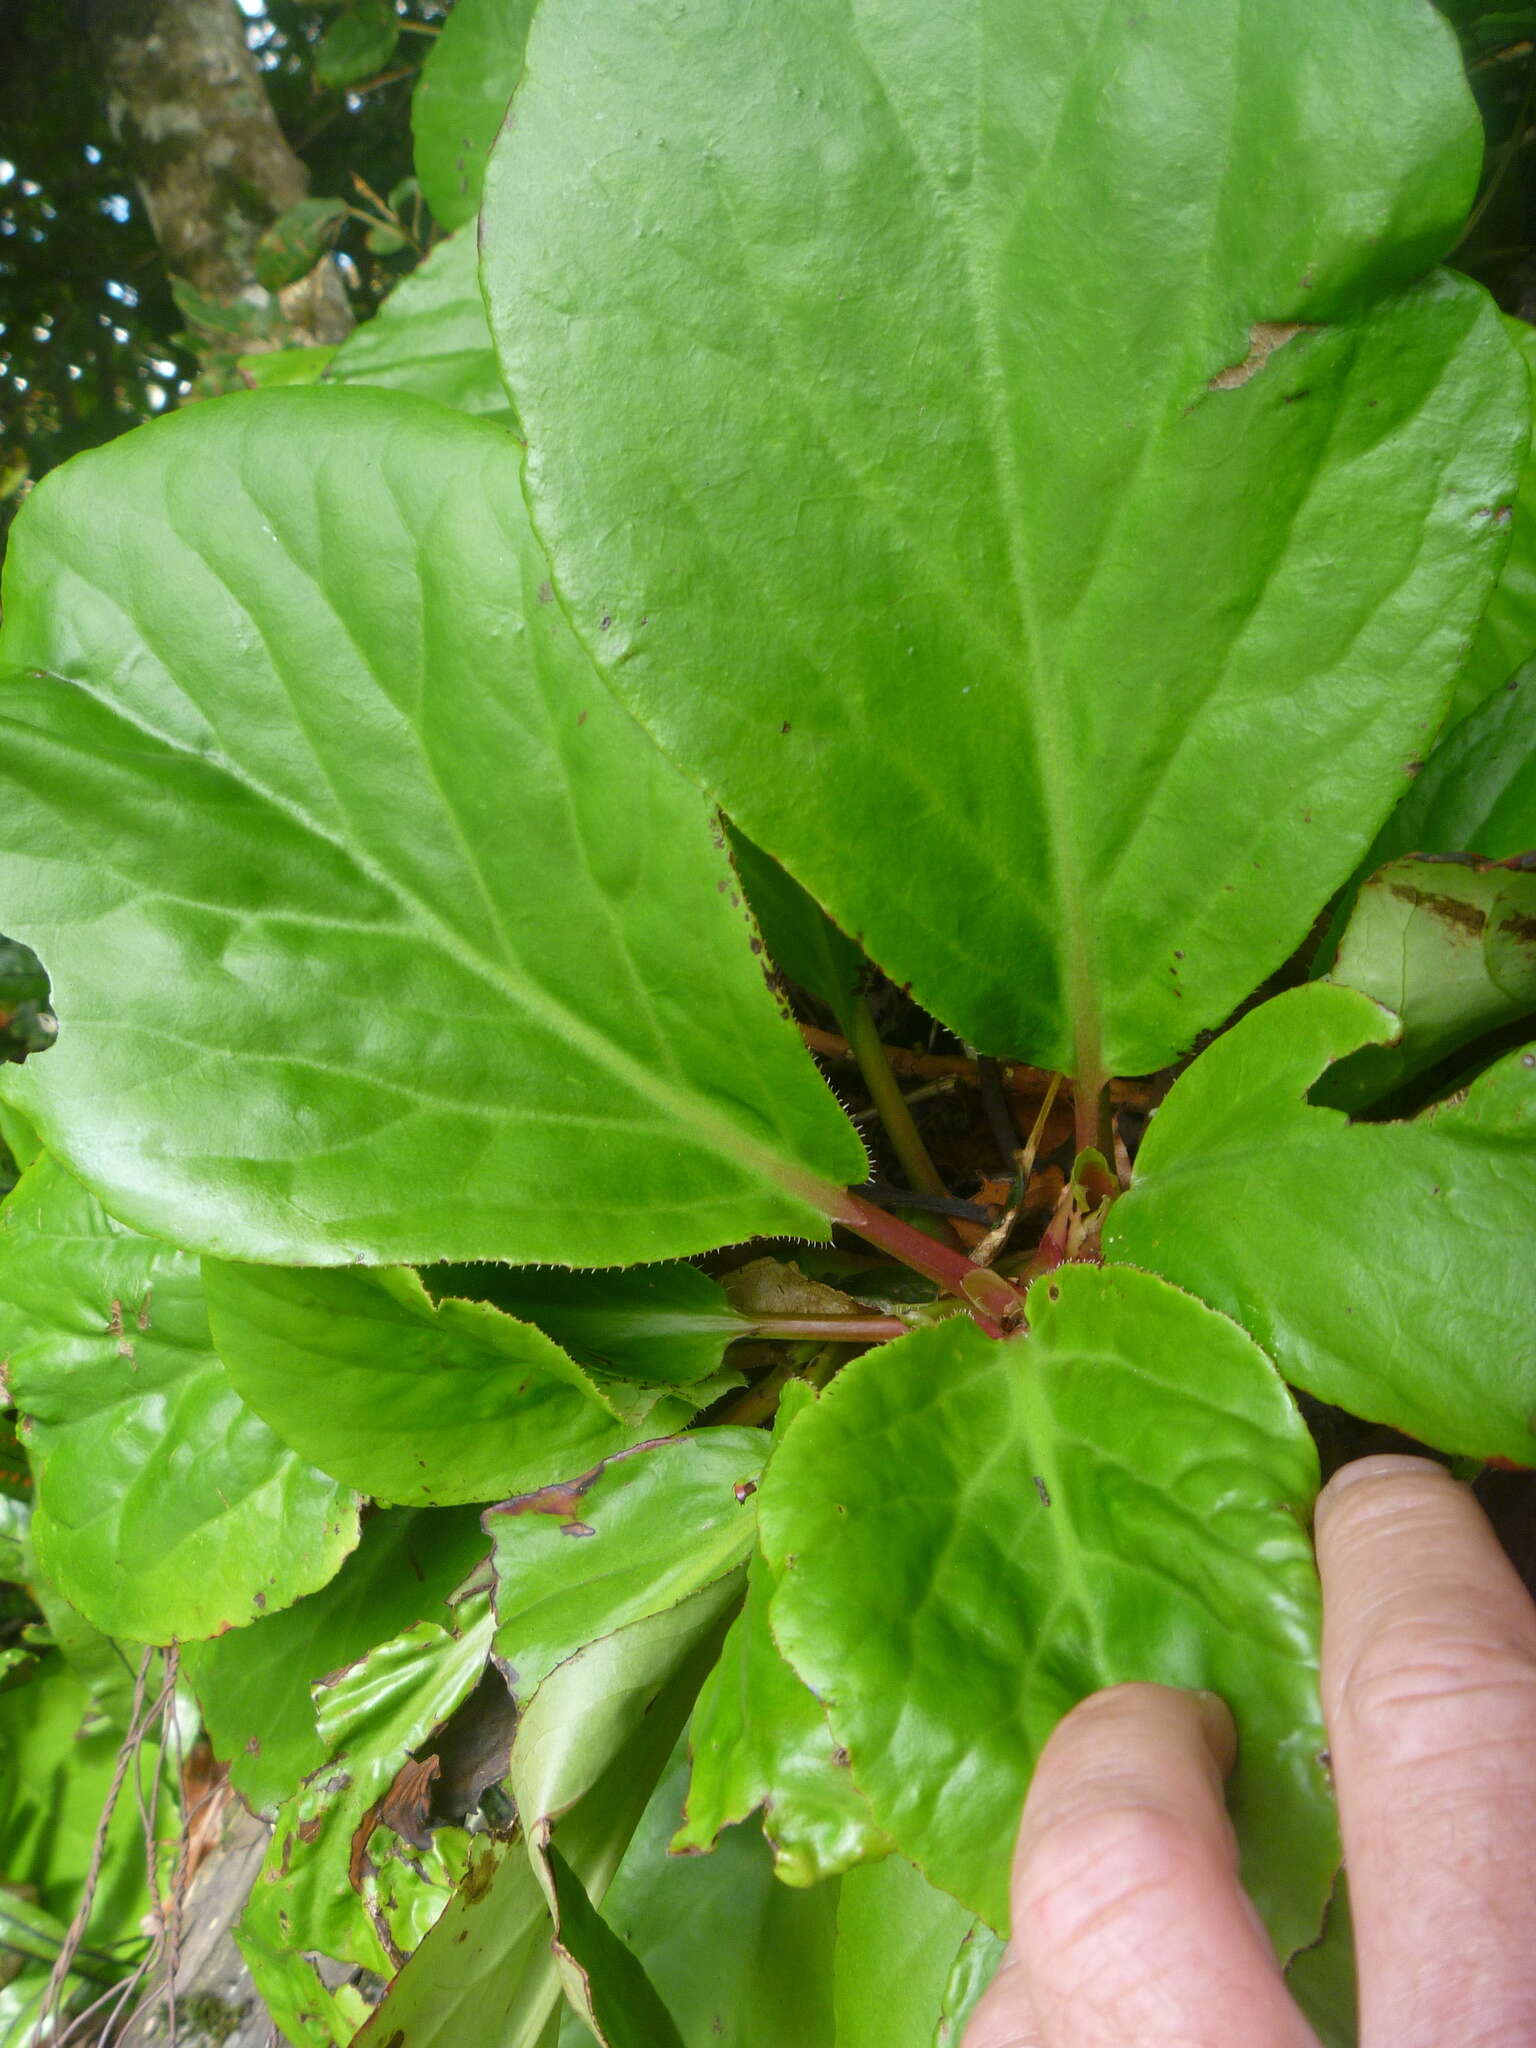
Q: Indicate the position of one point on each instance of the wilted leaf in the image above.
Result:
(1450, 947)
(973, 1535)
(1387, 1268)
(165, 1508)
(293, 726)
(1104, 623)
(333, 1882)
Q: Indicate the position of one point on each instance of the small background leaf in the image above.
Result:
(357, 44)
(430, 335)
(297, 239)
(475, 64)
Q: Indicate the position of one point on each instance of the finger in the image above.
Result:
(1429, 1692)
(1128, 1917)
(1005, 2017)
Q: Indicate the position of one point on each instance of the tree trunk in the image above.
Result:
(186, 100)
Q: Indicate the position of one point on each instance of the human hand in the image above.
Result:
(1130, 1929)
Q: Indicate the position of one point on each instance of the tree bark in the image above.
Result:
(186, 100)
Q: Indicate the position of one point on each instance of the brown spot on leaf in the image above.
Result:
(1264, 338)
(1468, 917)
(546, 595)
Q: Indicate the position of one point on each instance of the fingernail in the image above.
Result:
(1384, 1465)
(1219, 1729)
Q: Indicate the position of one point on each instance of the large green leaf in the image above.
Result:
(760, 1739)
(165, 1508)
(1387, 1268)
(607, 1548)
(973, 1535)
(253, 1684)
(1450, 947)
(419, 1403)
(741, 1960)
(1003, 449)
(430, 336)
(1506, 633)
(309, 789)
(660, 1325)
(475, 63)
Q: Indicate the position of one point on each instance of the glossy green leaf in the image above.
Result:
(253, 1685)
(802, 941)
(295, 727)
(1109, 619)
(372, 1717)
(1506, 633)
(357, 44)
(740, 1960)
(1450, 947)
(760, 1740)
(475, 64)
(165, 1508)
(1477, 793)
(430, 336)
(901, 1945)
(1386, 1268)
(418, 1403)
(660, 1325)
(973, 1535)
(631, 1538)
